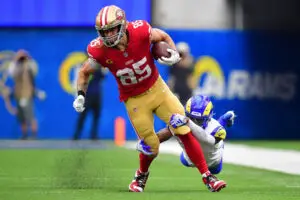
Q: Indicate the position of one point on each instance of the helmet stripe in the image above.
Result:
(103, 16)
(100, 17)
(188, 106)
(106, 14)
(208, 109)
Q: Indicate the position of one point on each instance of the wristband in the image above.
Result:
(80, 92)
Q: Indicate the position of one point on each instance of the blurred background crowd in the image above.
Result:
(244, 54)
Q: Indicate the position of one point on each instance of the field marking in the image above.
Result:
(285, 161)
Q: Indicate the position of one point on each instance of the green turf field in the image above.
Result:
(105, 174)
(290, 145)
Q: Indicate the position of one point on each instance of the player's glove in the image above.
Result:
(178, 120)
(142, 147)
(78, 103)
(173, 59)
(227, 119)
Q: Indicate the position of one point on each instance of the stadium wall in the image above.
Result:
(254, 73)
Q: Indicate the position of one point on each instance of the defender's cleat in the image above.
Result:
(142, 147)
(139, 181)
(212, 182)
(185, 160)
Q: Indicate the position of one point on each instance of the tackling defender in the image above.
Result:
(208, 131)
(124, 48)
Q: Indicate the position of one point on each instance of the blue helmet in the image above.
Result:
(199, 109)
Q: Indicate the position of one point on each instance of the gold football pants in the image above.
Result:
(159, 100)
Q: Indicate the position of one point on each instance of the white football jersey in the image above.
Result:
(213, 152)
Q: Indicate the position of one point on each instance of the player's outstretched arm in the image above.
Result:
(164, 135)
(200, 134)
(83, 76)
(82, 84)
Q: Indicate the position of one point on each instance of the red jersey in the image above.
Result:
(134, 68)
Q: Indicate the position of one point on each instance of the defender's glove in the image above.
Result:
(78, 103)
(227, 119)
(143, 148)
(173, 59)
(178, 120)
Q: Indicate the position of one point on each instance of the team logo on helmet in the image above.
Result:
(119, 14)
(196, 114)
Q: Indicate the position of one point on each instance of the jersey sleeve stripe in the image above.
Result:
(216, 130)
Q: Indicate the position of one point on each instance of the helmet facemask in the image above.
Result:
(111, 40)
(201, 121)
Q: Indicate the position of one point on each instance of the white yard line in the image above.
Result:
(286, 161)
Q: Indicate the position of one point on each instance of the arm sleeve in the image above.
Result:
(200, 133)
(93, 55)
(145, 31)
(219, 132)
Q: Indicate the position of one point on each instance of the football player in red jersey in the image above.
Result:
(124, 48)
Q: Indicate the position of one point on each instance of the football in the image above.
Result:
(159, 50)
